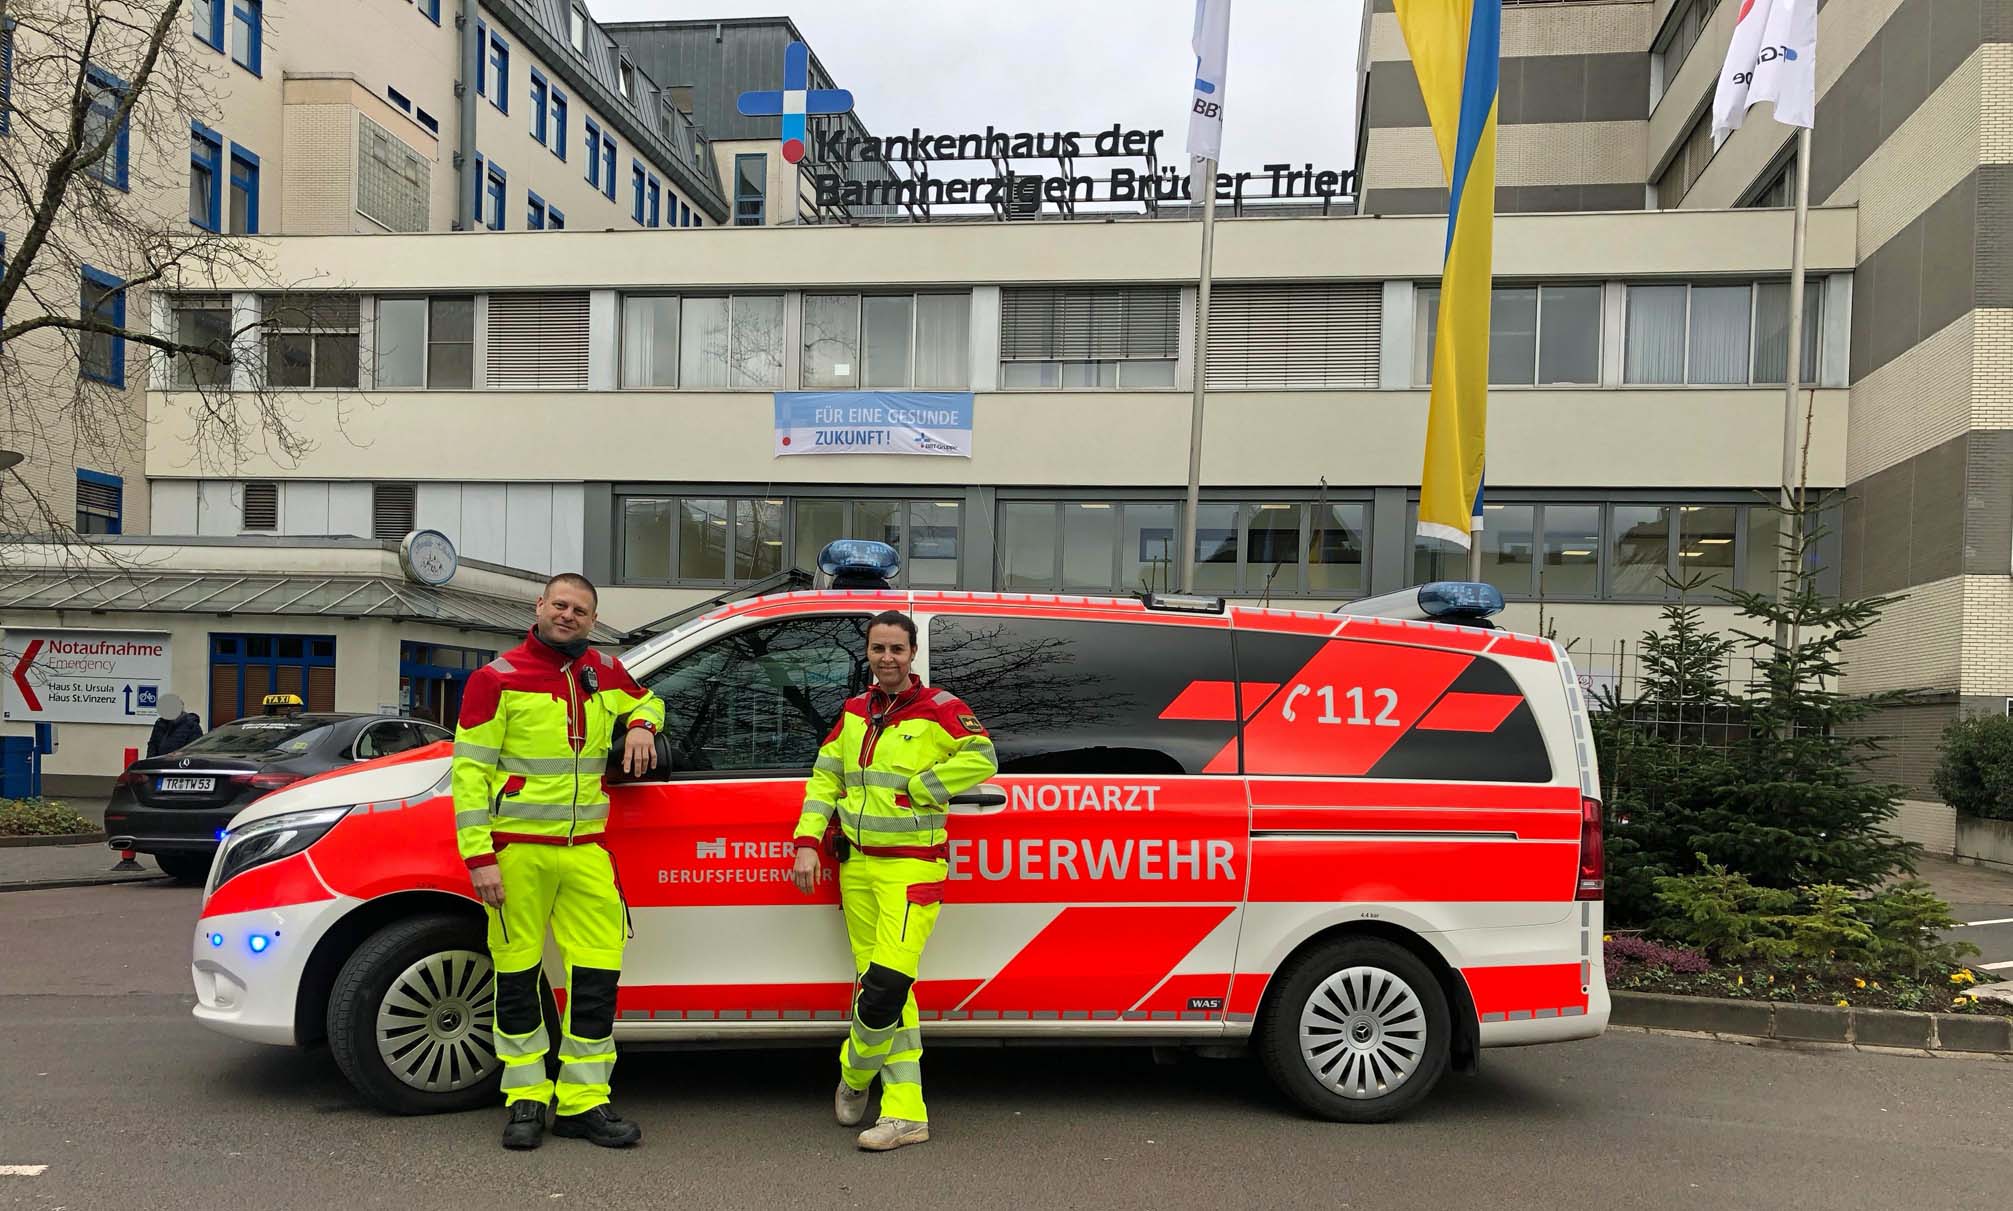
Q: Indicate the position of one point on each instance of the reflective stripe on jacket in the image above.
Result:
(533, 741)
(889, 788)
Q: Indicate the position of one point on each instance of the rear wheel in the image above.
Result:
(410, 1017)
(190, 869)
(1358, 1031)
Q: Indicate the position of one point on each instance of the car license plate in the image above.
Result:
(186, 784)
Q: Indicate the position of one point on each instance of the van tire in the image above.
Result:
(369, 976)
(1380, 1012)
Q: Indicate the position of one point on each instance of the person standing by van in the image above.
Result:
(880, 795)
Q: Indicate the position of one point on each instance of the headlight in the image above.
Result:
(269, 840)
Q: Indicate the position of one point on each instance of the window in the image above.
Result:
(684, 215)
(403, 102)
(248, 34)
(206, 177)
(926, 533)
(763, 698)
(426, 342)
(1686, 23)
(1538, 335)
(534, 216)
(636, 186)
(499, 67)
(1082, 337)
(887, 341)
(654, 193)
(607, 165)
(208, 20)
(1712, 334)
(625, 79)
(391, 510)
(1273, 337)
(245, 668)
(428, 120)
(496, 191)
(751, 187)
(558, 143)
(105, 93)
(537, 341)
(650, 341)
(541, 113)
(311, 340)
(554, 219)
(392, 179)
(244, 191)
(431, 10)
(715, 540)
(1777, 190)
(721, 343)
(593, 153)
(100, 502)
(1687, 164)
(102, 355)
(204, 321)
(576, 29)
(1257, 548)
(261, 508)
(1070, 697)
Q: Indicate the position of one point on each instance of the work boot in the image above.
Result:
(892, 1133)
(526, 1128)
(849, 1105)
(600, 1125)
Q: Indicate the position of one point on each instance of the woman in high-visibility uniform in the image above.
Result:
(880, 792)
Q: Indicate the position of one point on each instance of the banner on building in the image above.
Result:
(874, 422)
(83, 676)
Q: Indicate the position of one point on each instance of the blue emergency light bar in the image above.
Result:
(859, 563)
(1449, 600)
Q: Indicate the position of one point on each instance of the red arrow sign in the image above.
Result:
(21, 675)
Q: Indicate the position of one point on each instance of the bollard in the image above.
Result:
(128, 858)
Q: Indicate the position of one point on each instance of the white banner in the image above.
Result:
(83, 676)
(1212, 57)
(1773, 57)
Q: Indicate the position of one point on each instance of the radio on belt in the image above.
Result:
(1465, 602)
(858, 563)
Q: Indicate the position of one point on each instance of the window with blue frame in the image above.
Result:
(558, 143)
(607, 165)
(636, 186)
(248, 34)
(102, 355)
(206, 177)
(244, 191)
(499, 66)
(496, 177)
(104, 93)
(534, 212)
(207, 17)
(481, 58)
(245, 668)
(430, 9)
(554, 220)
(539, 112)
(655, 191)
(101, 501)
(593, 153)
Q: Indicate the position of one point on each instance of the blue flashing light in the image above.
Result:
(216, 940)
(1460, 599)
(221, 832)
(859, 556)
(259, 943)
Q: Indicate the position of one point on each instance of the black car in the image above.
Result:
(174, 806)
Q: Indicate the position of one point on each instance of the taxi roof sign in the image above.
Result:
(281, 704)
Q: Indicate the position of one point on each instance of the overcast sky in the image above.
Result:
(954, 66)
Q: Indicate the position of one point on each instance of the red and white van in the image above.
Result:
(1366, 847)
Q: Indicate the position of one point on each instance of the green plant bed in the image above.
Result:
(1639, 965)
(40, 818)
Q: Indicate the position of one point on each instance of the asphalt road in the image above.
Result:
(107, 1081)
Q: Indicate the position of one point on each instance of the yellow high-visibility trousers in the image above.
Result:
(891, 907)
(573, 888)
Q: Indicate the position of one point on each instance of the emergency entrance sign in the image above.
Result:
(874, 422)
(83, 676)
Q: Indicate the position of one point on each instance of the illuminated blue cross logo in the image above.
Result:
(796, 100)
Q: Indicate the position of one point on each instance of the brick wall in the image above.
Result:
(321, 169)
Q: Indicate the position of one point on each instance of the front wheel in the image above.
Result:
(1358, 1031)
(190, 870)
(410, 1017)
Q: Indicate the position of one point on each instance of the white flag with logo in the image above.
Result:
(1773, 57)
(1212, 54)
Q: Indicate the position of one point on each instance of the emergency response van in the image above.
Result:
(1362, 846)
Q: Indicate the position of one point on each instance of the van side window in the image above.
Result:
(1346, 708)
(1066, 697)
(763, 698)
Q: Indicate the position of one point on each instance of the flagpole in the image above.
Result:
(1206, 172)
(1788, 537)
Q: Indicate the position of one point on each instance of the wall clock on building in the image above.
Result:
(428, 556)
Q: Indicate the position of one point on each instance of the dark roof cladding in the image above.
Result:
(719, 60)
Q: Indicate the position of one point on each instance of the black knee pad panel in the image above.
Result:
(592, 998)
(883, 992)
(517, 1008)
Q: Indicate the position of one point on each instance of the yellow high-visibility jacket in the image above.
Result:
(533, 739)
(888, 770)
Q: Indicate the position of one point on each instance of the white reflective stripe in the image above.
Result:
(875, 777)
(819, 807)
(906, 1041)
(502, 666)
(537, 765)
(863, 1063)
(902, 1072)
(943, 698)
(521, 1076)
(571, 1048)
(934, 786)
(873, 1036)
(592, 1072)
(828, 765)
(476, 752)
(473, 818)
(508, 1048)
(514, 809)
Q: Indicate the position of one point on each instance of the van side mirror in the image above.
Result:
(984, 800)
(615, 775)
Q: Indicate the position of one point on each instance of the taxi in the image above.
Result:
(1361, 845)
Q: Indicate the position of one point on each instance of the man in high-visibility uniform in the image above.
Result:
(536, 727)
(881, 791)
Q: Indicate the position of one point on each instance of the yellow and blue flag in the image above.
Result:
(1455, 47)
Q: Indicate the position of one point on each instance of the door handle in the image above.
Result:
(983, 800)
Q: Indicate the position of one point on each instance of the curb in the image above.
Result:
(58, 884)
(1789, 1022)
(57, 839)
